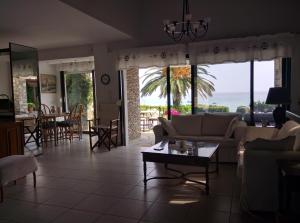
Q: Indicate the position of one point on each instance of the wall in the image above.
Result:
(50, 98)
(66, 52)
(5, 83)
(105, 63)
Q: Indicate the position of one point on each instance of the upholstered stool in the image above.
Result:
(15, 167)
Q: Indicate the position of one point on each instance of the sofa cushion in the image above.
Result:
(216, 124)
(187, 125)
(272, 145)
(168, 127)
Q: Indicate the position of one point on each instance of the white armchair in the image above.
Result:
(258, 168)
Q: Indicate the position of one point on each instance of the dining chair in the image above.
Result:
(31, 130)
(72, 124)
(45, 109)
(47, 127)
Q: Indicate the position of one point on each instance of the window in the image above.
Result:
(223, 88)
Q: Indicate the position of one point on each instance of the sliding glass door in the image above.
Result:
(229, 87)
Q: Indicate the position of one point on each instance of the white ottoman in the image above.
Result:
(15, 167)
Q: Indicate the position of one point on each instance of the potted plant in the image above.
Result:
(30, 107)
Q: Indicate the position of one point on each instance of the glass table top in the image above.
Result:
(184, 148)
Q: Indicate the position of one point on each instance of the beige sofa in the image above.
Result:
(206, 127)
(258, 166)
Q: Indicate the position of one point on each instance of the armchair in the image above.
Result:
(258, 168)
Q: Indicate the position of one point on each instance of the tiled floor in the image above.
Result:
(76, 185)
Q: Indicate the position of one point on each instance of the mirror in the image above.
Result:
(25, 78)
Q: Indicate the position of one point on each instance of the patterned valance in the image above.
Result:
(160, 56)
(73, 67)
(242, 49)
(265, 47)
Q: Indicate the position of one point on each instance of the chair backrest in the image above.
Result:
(108, 112)
(44, 109)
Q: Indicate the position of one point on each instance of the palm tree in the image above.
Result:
(156, 78)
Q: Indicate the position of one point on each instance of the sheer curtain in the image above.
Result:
(74, 67)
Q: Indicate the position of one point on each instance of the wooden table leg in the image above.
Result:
(217, 161)
(145, 173)
(206, 180)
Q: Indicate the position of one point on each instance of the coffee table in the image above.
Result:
(194, 153)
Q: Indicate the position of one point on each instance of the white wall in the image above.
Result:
(5, 76)
(105, 63)
(50, 98)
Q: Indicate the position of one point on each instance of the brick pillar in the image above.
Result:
(133, 97)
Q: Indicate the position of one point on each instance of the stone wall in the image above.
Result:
(20, 94)
(133, 97)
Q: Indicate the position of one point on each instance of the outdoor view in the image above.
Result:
(219, 88)
(79, 89)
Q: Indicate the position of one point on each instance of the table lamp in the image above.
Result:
(279, 96)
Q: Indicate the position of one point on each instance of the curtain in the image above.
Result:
(265, 47)
(74, 67)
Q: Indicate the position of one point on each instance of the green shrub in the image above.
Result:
(243, 109)
(187, 109)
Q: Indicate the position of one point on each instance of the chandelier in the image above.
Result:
(186, 29)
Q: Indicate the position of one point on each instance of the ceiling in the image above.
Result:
(51, 24)
(48, 24)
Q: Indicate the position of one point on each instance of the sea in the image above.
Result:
(229, 99)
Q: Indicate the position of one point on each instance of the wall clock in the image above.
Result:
(105, 79)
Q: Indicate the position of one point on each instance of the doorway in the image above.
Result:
(79, 88)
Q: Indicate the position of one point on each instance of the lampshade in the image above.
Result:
(278, 95)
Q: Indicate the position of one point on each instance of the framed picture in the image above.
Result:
(48, 83)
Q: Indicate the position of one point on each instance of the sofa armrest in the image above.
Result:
(159, 133)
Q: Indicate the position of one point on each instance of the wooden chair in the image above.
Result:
(72, 124)
(31, 129)
(45, 109)
(47, 127)
(106, 127)
(107, 134)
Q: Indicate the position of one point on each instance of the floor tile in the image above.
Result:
(74, 216)
(114, 219)
(66, 198)
(96, 203)
(166, 213)
(75, 185)
(129, 208)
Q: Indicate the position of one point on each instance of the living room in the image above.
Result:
(110, 42)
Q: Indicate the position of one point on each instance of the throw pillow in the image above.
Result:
(167, 125)
(271, 145)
